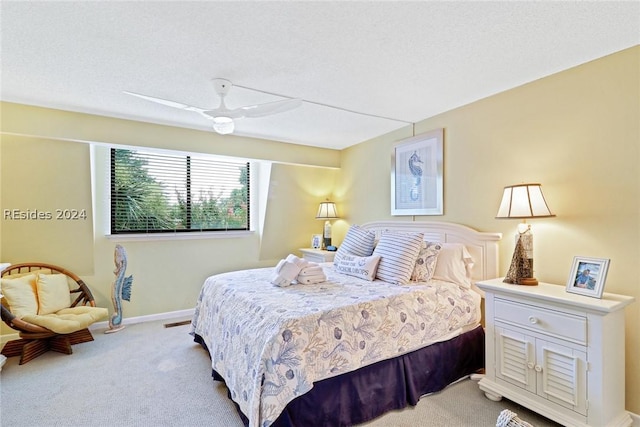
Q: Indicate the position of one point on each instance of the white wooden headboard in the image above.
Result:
(482, 246)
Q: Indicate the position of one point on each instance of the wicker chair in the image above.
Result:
(36, 340)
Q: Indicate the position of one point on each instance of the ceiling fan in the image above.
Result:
(222, 117)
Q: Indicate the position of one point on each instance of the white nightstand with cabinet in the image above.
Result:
(317, 255)
(557, 353)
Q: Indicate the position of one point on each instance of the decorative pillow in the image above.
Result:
(20, 294)
(454, 264)
(398, 253)
(358, 242)
(53, 293)
(357, 266)
(426, 262)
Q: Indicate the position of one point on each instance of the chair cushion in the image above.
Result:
(20, 294)
(53, 293)
(68, 320)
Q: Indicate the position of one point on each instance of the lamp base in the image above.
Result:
(326, 242)
(528, 281)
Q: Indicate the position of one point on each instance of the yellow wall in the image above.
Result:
(18, 119)
(42, 209)
(576, 132)
(50, 169)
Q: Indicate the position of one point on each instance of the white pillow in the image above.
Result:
(426, 262)
(398, 253)
(454, 264)
(358, 242)
(357, 266)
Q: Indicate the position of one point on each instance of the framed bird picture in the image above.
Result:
(416, 175)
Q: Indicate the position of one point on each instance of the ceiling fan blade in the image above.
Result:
(167, 102)
(223, 117)
(261, 110)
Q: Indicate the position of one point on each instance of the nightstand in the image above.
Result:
(557, 353)
(317, 255)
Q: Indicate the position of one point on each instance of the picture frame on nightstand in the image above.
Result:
(316, 241)
(587, 276)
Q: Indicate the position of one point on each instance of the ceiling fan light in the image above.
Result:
(223, 125)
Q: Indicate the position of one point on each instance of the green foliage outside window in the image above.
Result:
(155, 193)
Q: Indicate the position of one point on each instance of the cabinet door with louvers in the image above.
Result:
(555, 372)
(515, 357)
(562, 375)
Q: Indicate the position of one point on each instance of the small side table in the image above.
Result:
(317, 255)
(557, 353)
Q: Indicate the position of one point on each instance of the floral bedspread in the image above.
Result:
(270, 343)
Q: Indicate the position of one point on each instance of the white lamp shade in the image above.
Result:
(327, 210)
(523, 201)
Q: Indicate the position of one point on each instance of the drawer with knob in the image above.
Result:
(553, 323)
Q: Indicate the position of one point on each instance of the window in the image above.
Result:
(158, 193)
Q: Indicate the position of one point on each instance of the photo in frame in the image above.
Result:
(416, 175)
(587, 276)
(316, 241)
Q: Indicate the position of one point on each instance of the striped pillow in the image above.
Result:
(358, 242)
(398, 253)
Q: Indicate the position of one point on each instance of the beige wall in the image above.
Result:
(576, 132)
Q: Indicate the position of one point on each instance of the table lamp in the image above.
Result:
(327, 211)
(523, 201)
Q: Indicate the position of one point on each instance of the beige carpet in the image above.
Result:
(149, 375)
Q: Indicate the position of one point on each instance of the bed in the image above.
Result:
(344, 351)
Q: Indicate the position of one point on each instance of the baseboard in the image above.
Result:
(636, 419)
(185, 314)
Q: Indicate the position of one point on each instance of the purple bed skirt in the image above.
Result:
(362, 395)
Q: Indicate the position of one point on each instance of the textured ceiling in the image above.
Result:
(404, 61)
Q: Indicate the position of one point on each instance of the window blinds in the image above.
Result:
(157, 193)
